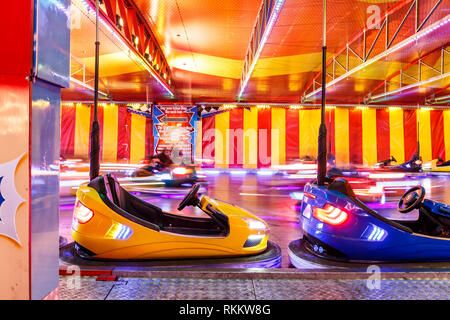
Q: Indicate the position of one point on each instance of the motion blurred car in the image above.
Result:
(413, 165)
(173, 176)
(437, 165)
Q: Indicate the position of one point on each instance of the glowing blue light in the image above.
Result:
(123, 233)
(376, 233)
(186, 184)
(307, 212)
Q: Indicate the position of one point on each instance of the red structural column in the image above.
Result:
(437, 134)
(124, 134)
(264, 137)
(15, 97)
(67, 130)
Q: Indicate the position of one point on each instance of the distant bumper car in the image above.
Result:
(109, 223)
(413, 165)
(338, 226)
(384, 163)
(175, 179)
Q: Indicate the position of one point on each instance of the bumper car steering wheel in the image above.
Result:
(411, 199)
(191, 198)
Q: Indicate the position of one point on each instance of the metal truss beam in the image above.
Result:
(367, 57)
(265, 20)
(439, 97)
(125, 19)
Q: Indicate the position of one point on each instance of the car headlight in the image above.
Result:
(254, 224)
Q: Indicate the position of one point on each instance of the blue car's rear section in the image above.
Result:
(354, 232)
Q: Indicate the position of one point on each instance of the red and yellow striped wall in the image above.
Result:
(125, 136)
(262, 136)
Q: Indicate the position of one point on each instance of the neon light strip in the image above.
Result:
(272, 19)
(442, 98)
(397, 47)
(442, 101)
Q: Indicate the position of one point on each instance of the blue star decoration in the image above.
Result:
(1, 197)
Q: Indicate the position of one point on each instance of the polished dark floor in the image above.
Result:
(258, 194)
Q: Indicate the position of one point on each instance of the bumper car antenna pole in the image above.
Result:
(322, 148)
(94, 155)
(418, 131)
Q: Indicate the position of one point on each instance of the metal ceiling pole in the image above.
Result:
(322, 148)
(94, 167)
(418, 131)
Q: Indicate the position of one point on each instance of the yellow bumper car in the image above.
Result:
(110, 223)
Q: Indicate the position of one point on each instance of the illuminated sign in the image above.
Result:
(174, 129)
